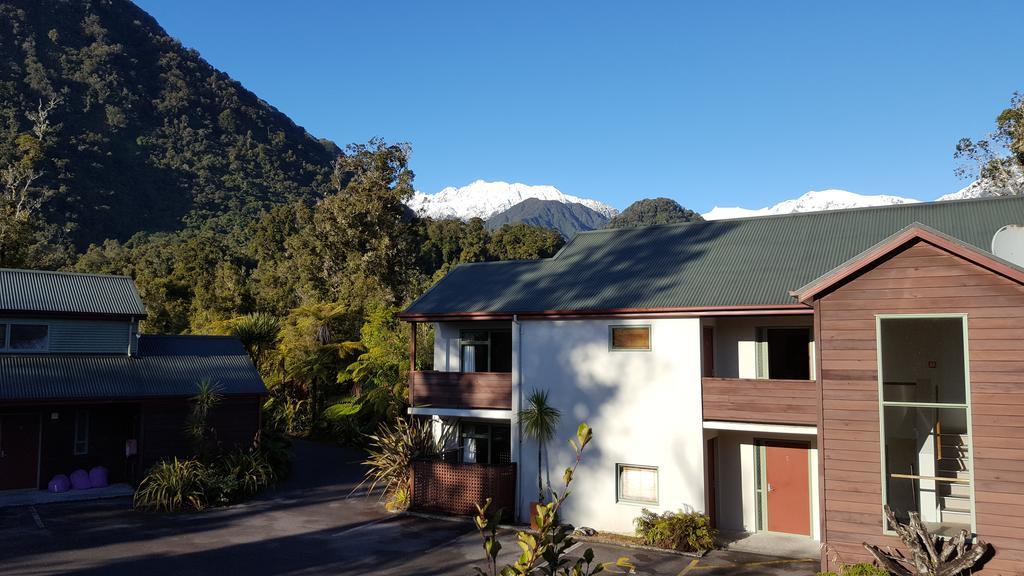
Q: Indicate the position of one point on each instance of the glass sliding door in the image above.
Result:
(925, 419)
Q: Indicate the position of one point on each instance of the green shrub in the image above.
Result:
(182, 485)
(389, 458)
(687, 531)
(173, 486)
(250, 472)
(862, 569)
(278, 452)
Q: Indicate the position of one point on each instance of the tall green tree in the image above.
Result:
(997, 160)
(26, 239)
(361, 238)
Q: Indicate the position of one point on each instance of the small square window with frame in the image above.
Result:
(637, 484)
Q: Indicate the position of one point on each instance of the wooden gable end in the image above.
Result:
(921, 278)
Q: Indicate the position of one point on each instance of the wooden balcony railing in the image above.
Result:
(768, 401)
(492, 390)
(452, 488)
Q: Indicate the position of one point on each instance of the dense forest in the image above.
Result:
(122, 152)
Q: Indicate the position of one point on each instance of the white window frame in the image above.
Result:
(966, 406)
(620, 468)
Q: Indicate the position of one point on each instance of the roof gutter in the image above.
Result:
(682, 312)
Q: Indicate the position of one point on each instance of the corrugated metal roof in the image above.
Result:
(64, 292)
(738, 262)
(170, 369)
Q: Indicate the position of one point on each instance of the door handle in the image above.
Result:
(771, 488)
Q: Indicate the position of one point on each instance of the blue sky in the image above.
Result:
(727, 103)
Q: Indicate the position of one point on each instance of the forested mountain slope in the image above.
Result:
(143, 134)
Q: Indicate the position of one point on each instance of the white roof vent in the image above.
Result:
(1008, 244)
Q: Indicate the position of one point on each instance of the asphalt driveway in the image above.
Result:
(308, 525)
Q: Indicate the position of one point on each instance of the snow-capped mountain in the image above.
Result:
(985, 187)
(484, 199)
(812, 201)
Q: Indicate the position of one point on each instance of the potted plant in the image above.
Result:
(539, 420)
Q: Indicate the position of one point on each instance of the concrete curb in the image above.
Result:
(579, 538)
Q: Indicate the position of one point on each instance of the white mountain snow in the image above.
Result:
(812, 201)
(985, 187)
(484, 199)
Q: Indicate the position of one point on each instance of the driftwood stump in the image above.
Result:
(929, 555)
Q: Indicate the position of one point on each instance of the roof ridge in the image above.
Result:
(189, 336)
(65, 273)
(812, 212)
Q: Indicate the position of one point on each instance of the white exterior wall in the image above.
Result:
(644, 408)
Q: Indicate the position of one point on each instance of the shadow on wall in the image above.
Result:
(644, 407)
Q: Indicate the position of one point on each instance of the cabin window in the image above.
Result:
(26, 338)
(484, 443)
(926, 423)
(81, 432)
(784, 353)
(629, 337)
(485, 351)
(637, 484)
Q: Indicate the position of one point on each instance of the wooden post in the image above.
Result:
(412, 358)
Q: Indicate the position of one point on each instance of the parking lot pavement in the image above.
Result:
(307, 526)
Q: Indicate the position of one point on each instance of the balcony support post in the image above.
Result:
(412, 358)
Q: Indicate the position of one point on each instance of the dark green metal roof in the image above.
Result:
(737, 262)
(28, 291)
(167, 366)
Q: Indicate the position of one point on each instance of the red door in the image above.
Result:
(19, 451)
(787, 471)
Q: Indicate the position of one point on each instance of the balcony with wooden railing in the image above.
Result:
(486, 390)
(761, 400)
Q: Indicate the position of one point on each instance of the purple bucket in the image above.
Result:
(59, 483)
(98, 477)
(80, 480)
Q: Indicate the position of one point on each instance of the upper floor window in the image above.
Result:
(629, 337)
(784, 352)
(24, 337)
(485, 351)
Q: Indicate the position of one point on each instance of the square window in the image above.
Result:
(30, 337)
(637, 484)
(630, 337)
(3, 336)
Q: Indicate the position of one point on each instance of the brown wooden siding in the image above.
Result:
(453, 488)
(922, 279)
(491, 390)
(771, 401)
